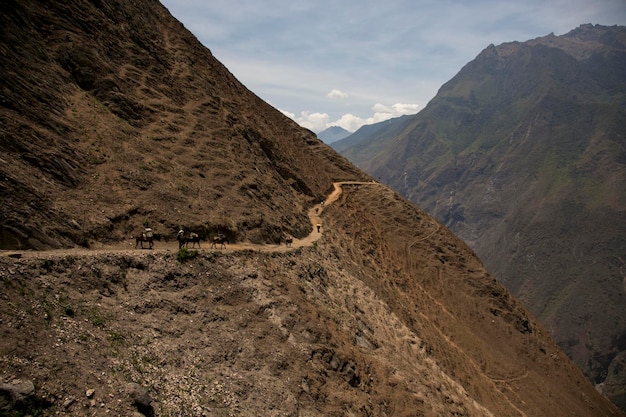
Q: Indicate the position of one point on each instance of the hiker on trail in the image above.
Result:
(319, 226)
(323, 202)
(180, 236)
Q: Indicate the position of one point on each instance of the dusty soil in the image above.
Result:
(394, 319)
(170, 246)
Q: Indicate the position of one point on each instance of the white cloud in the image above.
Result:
(288, 114)
(294, 53)
(310, 120)
(397, 109)
(382, 112)
(337, 94)
(352, 122)
(317, 122)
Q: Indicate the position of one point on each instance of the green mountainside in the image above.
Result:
(522, 154)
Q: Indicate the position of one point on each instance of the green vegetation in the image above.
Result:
(96, 270)
(68, 310)
(47, 264)
(185, 254)
(97, 318)
(47, 310)
(117, 339)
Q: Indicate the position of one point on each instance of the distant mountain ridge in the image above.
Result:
(369, 136)
(522, 154)
(333, 134)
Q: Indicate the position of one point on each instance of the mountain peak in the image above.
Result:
(519, 155)
(333, 134)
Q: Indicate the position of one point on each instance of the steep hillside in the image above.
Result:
(114, 116)
(522, 154)
(398, 318)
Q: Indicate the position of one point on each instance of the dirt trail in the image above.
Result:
(315, 215)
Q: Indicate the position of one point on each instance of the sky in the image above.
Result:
(353, 62)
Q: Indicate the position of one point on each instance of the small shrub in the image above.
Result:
(185, 254)
(117, 339)
(97, 318)
(68, 310)
(47, 264)
(47, 310)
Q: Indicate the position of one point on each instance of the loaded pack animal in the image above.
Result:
(193, 238)
(220, 239)
(146, 236)
(288, 240)
(183, 241)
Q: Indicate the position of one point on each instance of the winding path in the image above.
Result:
(314, 214)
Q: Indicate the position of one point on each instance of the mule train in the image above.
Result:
(194, 238)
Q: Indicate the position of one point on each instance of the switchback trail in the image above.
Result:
(314, 213)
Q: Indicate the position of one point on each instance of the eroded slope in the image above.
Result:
(387, 314)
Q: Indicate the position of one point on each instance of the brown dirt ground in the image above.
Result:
(394, 319)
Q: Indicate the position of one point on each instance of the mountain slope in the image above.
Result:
(127, 126)
(522, 155)
(399, 318)
(115, 115)
(367, 138)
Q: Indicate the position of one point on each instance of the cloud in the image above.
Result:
(288, 114)
(310, 120)
(350, 122)
(337, 94)
(382, 112)
(318, 122)
(293, 54)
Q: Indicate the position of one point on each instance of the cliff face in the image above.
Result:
(522, 155)
(113, 116)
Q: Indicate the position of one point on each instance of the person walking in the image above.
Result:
(181, 238)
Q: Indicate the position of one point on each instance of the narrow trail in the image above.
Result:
(314, 213)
